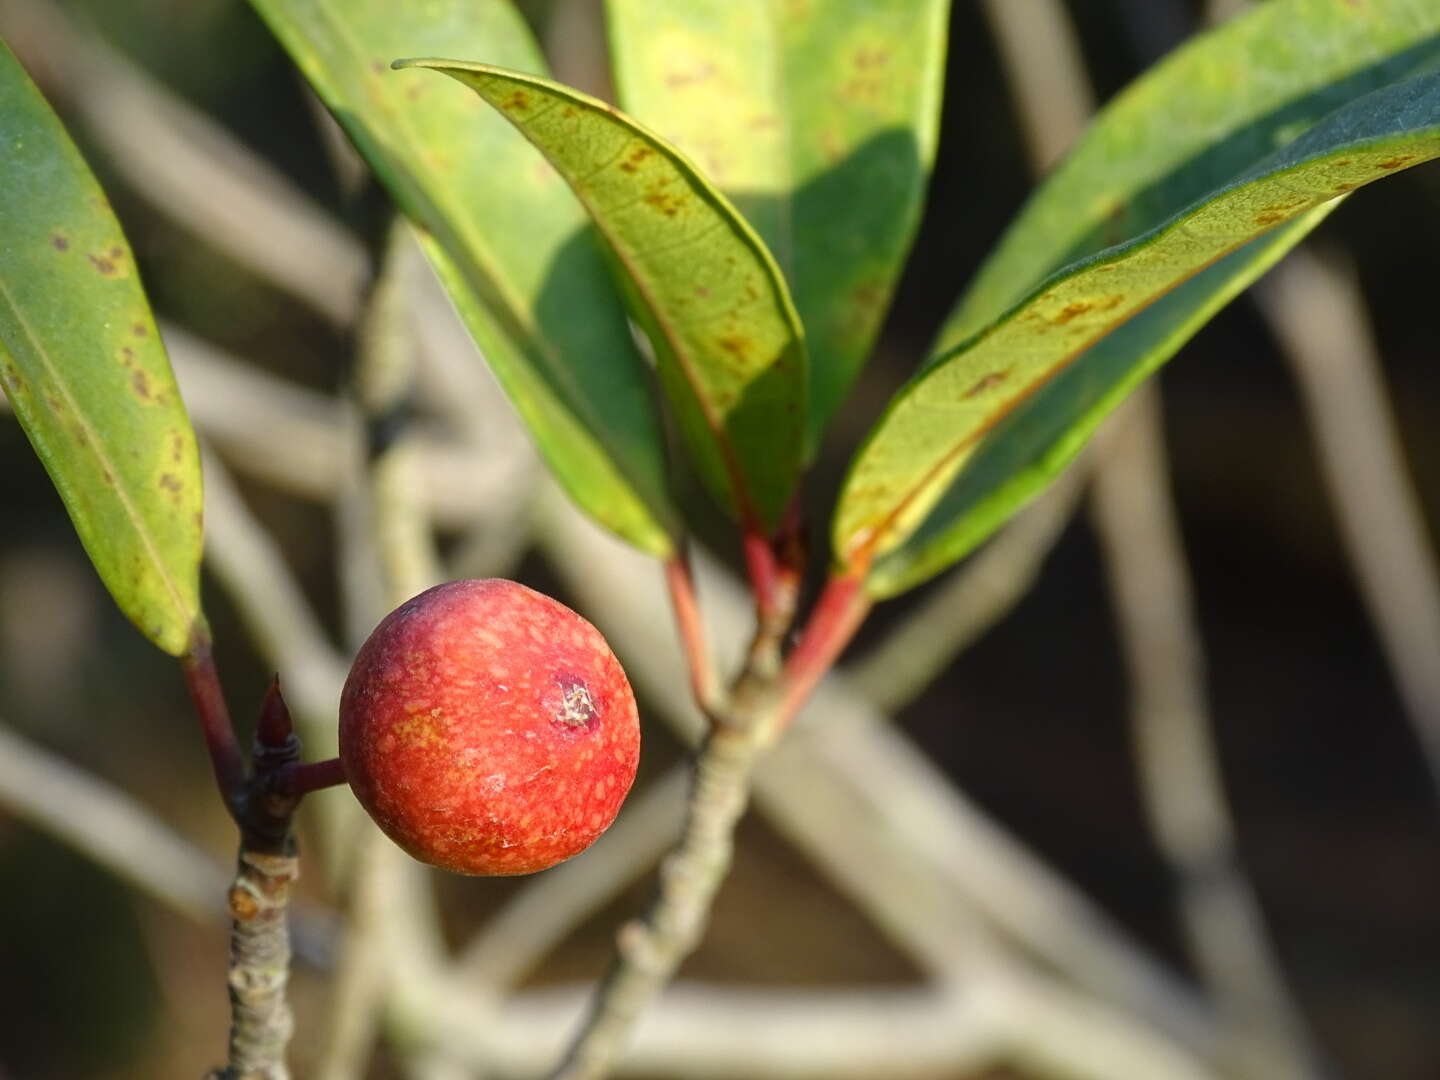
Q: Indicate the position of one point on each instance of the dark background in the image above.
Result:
(1336, 815)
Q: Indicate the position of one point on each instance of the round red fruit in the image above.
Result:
(488, 729)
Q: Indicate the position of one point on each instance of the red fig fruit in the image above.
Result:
(488, 729)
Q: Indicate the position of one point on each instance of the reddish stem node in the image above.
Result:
(761, 568)
(838, 613)
(226, 758)
(691, 625)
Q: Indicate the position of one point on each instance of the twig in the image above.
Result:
(293, 439)
(743, 723)
(974, 598)
(538, 917)
(867, 806)
(1180, 776)
(226, 758)
(690, 625)
(187, 166)
(261, 1021)
(1179, 766)
(1315, 308)
(272, 606)
(87, 814)
(650, 948)
(720, 1033)
(1042, 62)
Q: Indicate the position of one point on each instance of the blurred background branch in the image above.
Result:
(1131, 503)
(108, 825)
(1315, 308)
(1175, 752)
(1016, 965)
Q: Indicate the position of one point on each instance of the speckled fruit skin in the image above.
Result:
(488, 729)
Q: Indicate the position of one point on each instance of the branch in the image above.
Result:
(87, 814)
(261, 1022)
(1315, 308)
(293, 439)
(537, 918)
(1179, 766)
(874, 813)
(1040, 56)
(719, 1033)
(650, 948)
(1180, 777)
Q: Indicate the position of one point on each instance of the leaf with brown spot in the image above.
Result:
(820, 122)
(512, 246)
(1188, 123)
(101, 426)
(1156, 150)
(914, 501)
(673, 235)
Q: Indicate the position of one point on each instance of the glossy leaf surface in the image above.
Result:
(84, 369)
(819, 121)
(509, 240)
(729, 346)
(1032, 445)
(1199, 118)
(937, 419)
(1207, 112)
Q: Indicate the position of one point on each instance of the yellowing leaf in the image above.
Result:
(729, 346)
(937, 419)
(85, 371)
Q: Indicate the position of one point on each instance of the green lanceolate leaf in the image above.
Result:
(506, 236)
(819, 121)
(729, 347)
(1199, 118)
(1206, 113)
(936, 420)
(84, 369)
(1032, 445)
